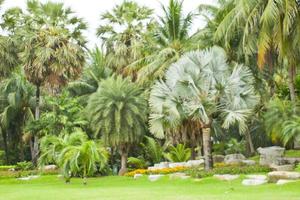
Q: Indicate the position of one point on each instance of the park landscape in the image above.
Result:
(159, 110)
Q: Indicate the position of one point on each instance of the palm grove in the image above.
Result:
(154, 91)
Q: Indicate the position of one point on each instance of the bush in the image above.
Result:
(24, 166)
(136, 163)
(228, 169)
(157, 171)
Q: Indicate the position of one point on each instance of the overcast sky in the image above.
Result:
(90, 10)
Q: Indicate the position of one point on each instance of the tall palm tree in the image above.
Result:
(269, 29)
(117, 112)
(51, 46)
(201, 86)
(171, 40)
(123, 33)
(50, 58)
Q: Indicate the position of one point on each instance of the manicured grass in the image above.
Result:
(292, 153)
(125, 188)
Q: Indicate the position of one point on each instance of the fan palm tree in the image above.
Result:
(117, 112)
(171, 40)
(269, 29)
(74, 154)
(201, 86)
(50, 58)
(123, 33)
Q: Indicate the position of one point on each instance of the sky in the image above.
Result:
(90, 11)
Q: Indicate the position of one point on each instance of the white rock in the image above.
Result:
(24, 178)
(257, 177)
(271, 155)
(226, 177)
(178, 164)
(282, 167)
(234, 158)
(194, 163)
(50, 167)
(156, 177)
(177, 175)
(283, 181)
(136, 176)
(249, 162)
(253, 182)
(274, 176)
(34, 176)
(185, 177)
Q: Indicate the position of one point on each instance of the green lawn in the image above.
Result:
(123, 188)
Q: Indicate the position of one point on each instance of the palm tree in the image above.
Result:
(117, 112)
(16, 107)
(171, 40)
(268, 28)
(201, 86)
(93, 74)
(74, 154)
(50, 58)
(123, 34)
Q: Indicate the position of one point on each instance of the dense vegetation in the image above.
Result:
(154, 92)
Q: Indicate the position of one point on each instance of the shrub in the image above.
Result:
(24, 166)
(136, 163)
(234, 146)
(157, 171)
(178, 154)
(228, 169)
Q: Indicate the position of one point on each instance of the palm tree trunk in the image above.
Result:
(249, 143)
(291, 82)
(84, 176)
(35, 145)
(208, 164)
(124, 155)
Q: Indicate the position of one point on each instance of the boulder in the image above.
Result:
(177, 175)
(137, 176)
(218, 158)
(156, 177)
(226, 177)
(291, 161)
(282, 167)
(274, 176)
(161, 165)
(194, 163)
(249, 162)
(248, 182)
(283, 181)
(271, 155)
(28, 178)
(234, 158)
(257, 177)
(178, 164)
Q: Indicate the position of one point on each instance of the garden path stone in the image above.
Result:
(249, 182)
(257, 177)
(274, 176)
(137, 176)
(156, 177)
(226, 177)
(283, 181)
